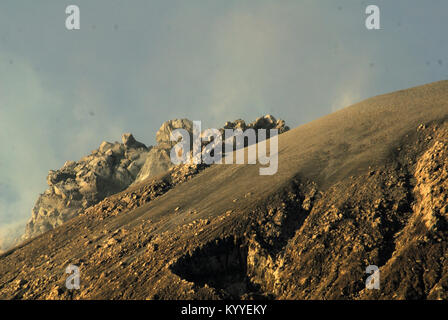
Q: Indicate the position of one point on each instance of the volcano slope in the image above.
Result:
(366, 185)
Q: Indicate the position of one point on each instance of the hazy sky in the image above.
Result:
(135, 64)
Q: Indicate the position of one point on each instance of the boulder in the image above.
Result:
(157, 162)
(269, 122)
(164, 133)
(130, 142)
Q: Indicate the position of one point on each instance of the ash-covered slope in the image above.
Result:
(364, 186)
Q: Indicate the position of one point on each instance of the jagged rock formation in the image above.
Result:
(112, 168)
(78, 185)
(158, 160)
(266, 122)
(163, 136)
(364, 186)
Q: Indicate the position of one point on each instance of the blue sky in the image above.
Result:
(135, 64)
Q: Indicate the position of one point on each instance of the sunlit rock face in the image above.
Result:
(77, 185)
(159, 161)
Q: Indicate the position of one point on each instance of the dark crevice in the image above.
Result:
(221, 264)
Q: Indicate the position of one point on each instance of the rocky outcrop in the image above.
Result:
(159, 161)
(112, 168)
(266, 122)
(164, 134)
(78, 185)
